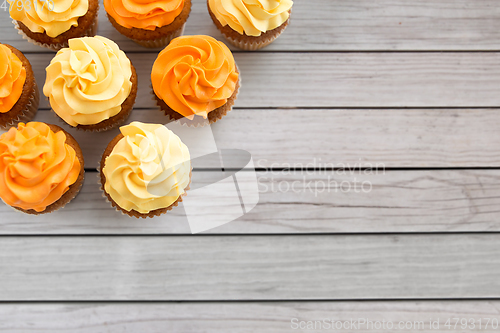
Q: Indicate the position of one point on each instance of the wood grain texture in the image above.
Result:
(334, 138)
(249, 267)
(302, 202)
(331, 25)
(344, 79)
(271, 317)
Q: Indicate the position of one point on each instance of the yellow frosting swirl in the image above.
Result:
(88, 81)
(36, 166)
(12, 78)
(253, 17)
(51, 18)
(148, 168)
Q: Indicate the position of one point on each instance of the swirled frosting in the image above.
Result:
(144, 14)
(12, 78)
(253, 17)
(36, 166)
(147, 169)
(194, 75)
(53, 18)
(88, 81)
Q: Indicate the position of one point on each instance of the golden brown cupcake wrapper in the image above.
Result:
(90, 32)
(29, 111)
(160, 42)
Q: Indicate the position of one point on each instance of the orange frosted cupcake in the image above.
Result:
(146, 170)
(195, 80)
(19, 95)
(91, 84)
(41, 168)
(51, 23)
(250, 25)
(150, 23)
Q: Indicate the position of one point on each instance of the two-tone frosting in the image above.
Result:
(52, 17)
(194, 75)
(148, 169)
(88, 81)
(12, 78)
(36, 166)
(252, 17)
(147, 15)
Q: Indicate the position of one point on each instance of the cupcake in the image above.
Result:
(19, 95)
(151, 23)
(145, 171)
(51, 23)
(250, 25)
(41, 168)
(91, 84)
(195, 80)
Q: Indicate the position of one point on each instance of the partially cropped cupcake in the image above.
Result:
(195, 80)
(19, 95)
(146, 170)
(51, 23)
(41, 168)
(250, 24)
(91, 84)
(151, 23)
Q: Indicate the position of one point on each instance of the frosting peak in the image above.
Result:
(12, 78)
(253, 17)
(52, 17)
(148, 169)
(88, 81)
(144, 14)
(36, 166)
(194, 75)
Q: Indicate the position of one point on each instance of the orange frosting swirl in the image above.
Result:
(36, 166)
(12, 78)
(144, 14)
(194, 75)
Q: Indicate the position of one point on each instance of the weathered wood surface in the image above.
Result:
(344, 79)
(249, 267)
(303, 202)
(269, 317)
(337, 25)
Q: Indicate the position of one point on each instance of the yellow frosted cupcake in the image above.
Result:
(41, 168)
(250, 24)
(51, 23)
(146, 170)
(150, 23)
(91, 84)
(195, 80)
(19, 95)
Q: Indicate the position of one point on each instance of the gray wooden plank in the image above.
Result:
(249, 267)
(334, 138)
(399, 201)
(345, 79)
(271, 317)
(351, 25)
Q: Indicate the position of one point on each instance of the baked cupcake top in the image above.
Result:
(144, 14)
(12, 78)
(36, 166)
(52, 17)
(148, 169)
(253, 17)
(194, 75)
(88, 81)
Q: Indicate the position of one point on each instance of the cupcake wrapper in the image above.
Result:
(116, 207)
(201, 122)
(29, 111)
(90, 32)
(250, 46)
(160, 42)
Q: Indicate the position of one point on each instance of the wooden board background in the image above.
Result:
(413, 87)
